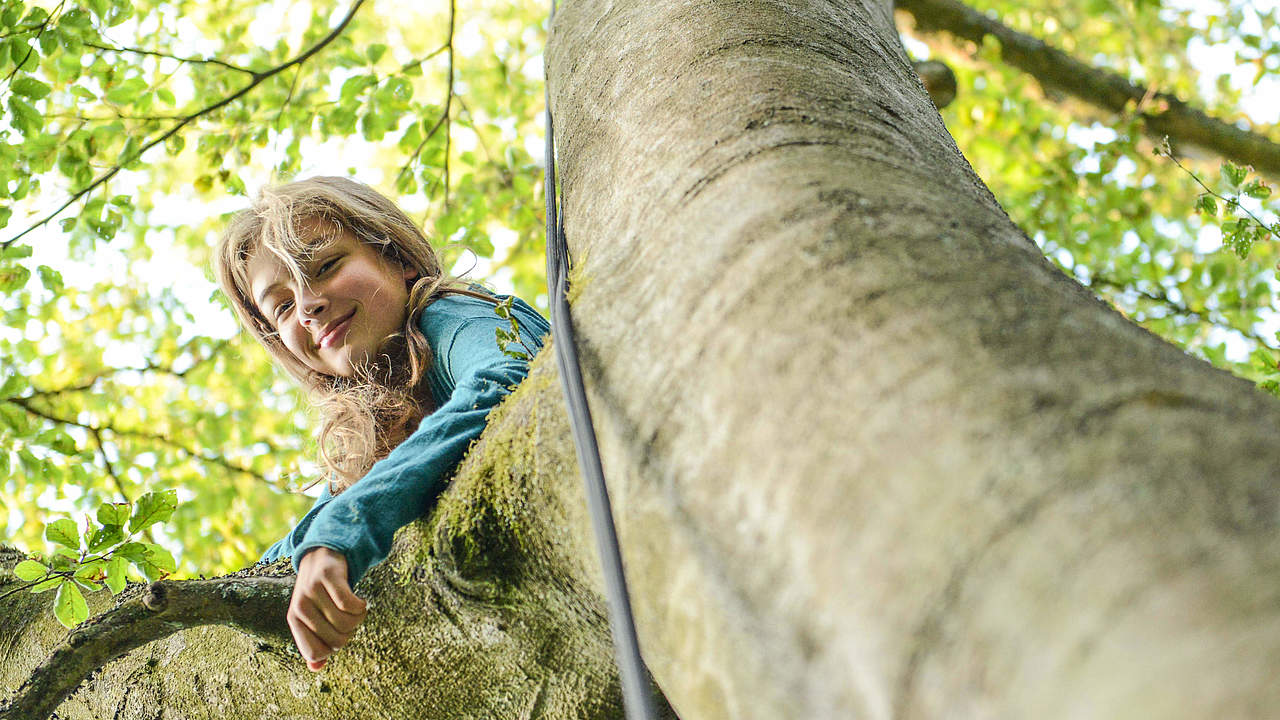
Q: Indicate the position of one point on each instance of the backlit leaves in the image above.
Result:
(104, 557)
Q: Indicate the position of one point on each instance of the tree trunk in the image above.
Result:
(871, 455)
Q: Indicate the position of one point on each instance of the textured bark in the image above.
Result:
(871, 455)
(1164, 114)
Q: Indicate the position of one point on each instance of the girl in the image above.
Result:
(345, 292)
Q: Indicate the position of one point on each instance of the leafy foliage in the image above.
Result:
(116, 380)
(101, 555)
(1132, 225)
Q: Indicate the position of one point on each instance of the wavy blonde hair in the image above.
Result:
(363, 417)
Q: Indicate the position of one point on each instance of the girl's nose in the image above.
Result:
(310, 306)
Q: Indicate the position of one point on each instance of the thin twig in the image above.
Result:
(448, 103)
(288, 98)
(106, 461)
(195, 60)
(444, 116)
(39, 31)
(1167, 151)
(428, 56)
(149, 367)
(153, 437)
(257, 79)
(1162, 298)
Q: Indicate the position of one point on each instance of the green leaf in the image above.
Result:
(1257, 189)
(1233, 174)
(1207, 204)
(30, 570)
(11, 14)
(161, 558)
(50, 278)
(166, 97)
(152, 508)
(30, 87)
(105, 537)
(13, 278)
(25, 116)
(90, 573)
(375, 52)
(117, 568)
(127, 91)
(63, 532)
(113, 513)
(69, 607)
(134, 552)
(15, 252)
(153, 561)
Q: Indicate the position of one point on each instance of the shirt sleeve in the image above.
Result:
(361, 522)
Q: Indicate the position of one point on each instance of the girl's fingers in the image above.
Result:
(323, 612)
(313, 649)
(330, 619)
(344, 599)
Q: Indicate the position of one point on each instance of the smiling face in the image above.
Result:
(350, 301)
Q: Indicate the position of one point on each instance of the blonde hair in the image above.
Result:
(361, 418)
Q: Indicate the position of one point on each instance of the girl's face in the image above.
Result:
(352, 300)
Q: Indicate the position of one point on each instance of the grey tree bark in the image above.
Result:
(871, 455)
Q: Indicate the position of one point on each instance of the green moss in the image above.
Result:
(578, 278)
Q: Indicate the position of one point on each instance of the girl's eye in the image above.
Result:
(282, 308)
(324, 267)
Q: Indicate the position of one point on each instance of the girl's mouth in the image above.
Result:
(336, 334)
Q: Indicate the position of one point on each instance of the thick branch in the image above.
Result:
(258, 79)
(1164, 114)
(256, 605)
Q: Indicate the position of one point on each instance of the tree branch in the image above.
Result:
(257, 79)
(154, 437)
(255, 605)
(106, 461)
(39, 31)
(1163, 114)
(444, 115)
(149, 367)
(1163, 299)
(202, 61)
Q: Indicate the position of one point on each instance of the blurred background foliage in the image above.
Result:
(122, 371)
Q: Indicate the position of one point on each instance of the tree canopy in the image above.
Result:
(133, 129)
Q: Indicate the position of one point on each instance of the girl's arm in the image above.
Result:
(354, 530)
(361, 522)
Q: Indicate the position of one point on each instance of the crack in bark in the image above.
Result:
(1151, 398)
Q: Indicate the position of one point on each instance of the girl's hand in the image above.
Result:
(323, 612)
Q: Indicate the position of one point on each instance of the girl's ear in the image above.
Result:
(409, 273)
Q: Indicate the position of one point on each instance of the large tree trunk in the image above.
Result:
(871, 455)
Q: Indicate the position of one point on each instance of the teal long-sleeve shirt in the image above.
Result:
(469, 376)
